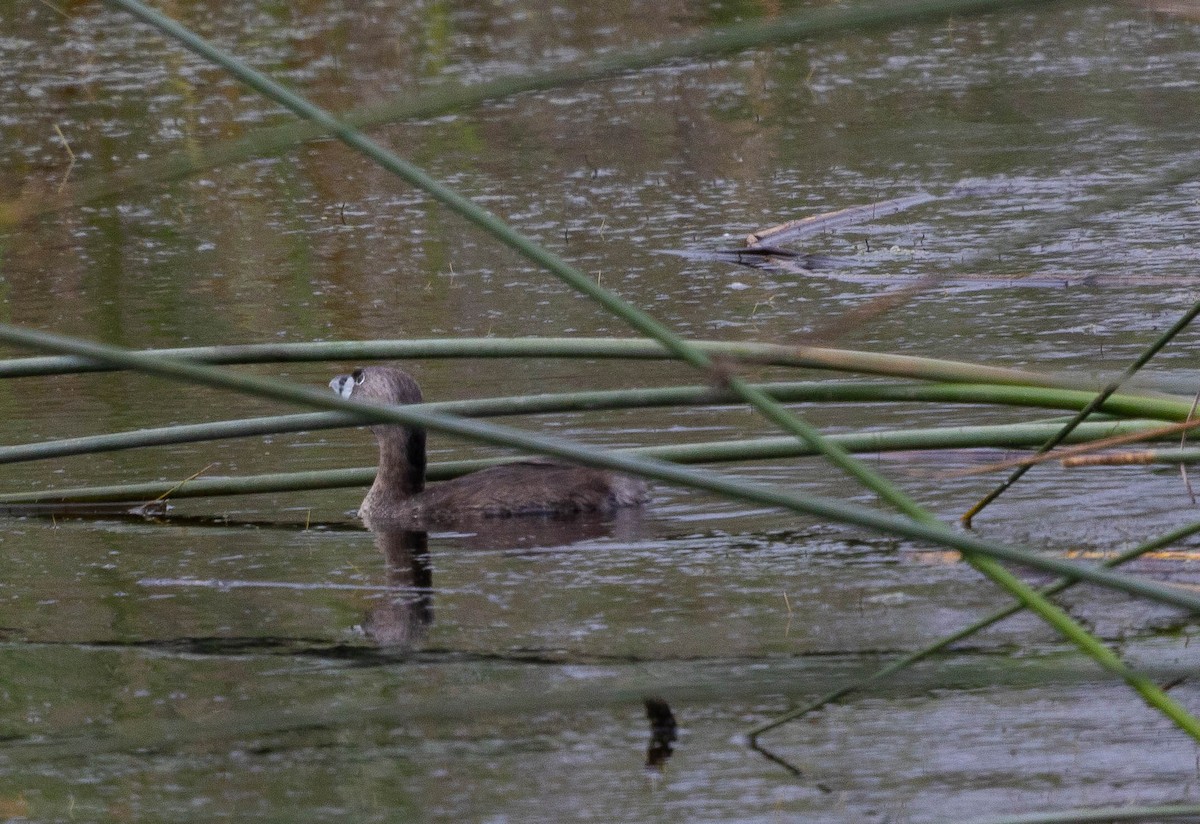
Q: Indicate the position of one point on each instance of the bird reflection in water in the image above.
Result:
(402, 618)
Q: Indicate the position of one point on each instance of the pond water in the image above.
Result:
(262, 658)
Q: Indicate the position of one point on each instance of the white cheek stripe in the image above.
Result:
(344, 386)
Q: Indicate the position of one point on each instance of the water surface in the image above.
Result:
(256, 668)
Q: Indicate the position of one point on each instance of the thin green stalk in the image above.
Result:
(943, 643)
(835, 392)
(1095, 815)
(753, 449)
(829, 509)
(1154, 695)
(172, 435)
(731, 40)
(759, 354)
(767, 354)
(202, 487)
(1104, 394)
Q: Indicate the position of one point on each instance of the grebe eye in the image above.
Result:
(358, 376)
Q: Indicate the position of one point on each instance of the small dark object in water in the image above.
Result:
(662, 732)
(532, 487)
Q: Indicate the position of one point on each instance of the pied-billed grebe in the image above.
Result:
(532, 487)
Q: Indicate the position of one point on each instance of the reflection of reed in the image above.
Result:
(402, 620)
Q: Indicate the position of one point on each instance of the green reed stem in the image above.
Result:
(1008, 436)
(759, 354)
(834, 510)
(1095, 815)
(1154, 695)
(202, 487)
(962, 634)
(828, 392)
(1091, 407)
(767, 354)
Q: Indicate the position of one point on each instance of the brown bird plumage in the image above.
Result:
(531, 487)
